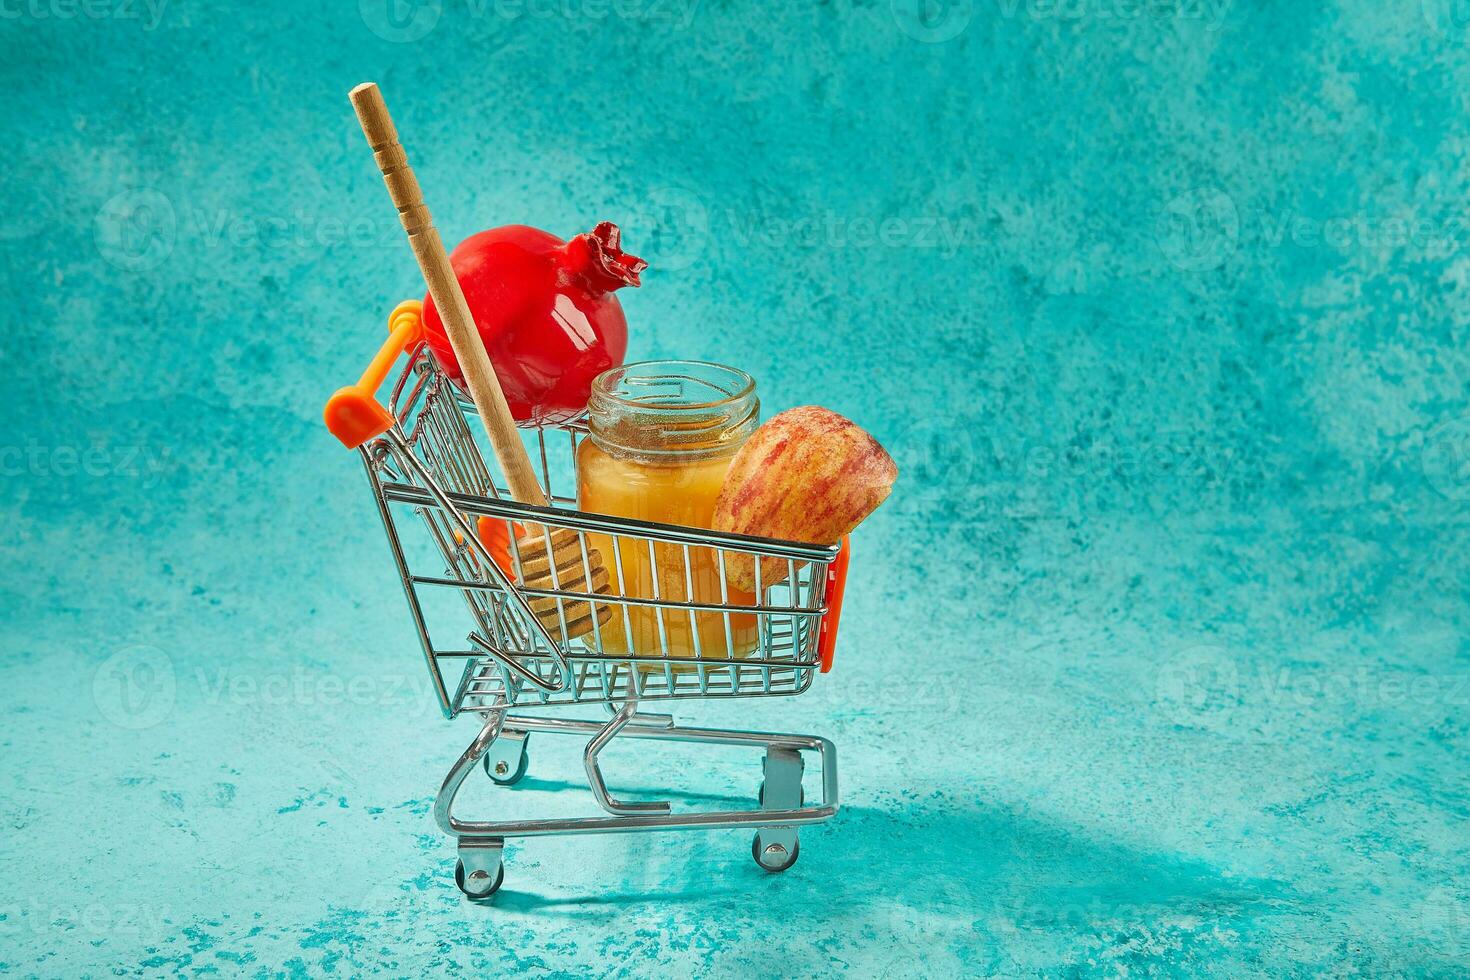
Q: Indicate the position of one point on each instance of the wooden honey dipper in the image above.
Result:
(566, 548)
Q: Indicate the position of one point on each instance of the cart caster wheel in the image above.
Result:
(475, 889)
(761, 794)
(775, 858)
(499, 771)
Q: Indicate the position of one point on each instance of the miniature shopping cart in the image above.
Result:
(451, 529)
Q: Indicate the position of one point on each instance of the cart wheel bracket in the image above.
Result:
(480, 871)
(775, 848)
(507, 758)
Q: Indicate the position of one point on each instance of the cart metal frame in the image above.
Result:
(429, 480)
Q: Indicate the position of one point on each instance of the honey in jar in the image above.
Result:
(661, 435)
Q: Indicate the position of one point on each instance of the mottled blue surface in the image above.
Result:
(1155, 662)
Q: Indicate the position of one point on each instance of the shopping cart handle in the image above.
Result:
(353, 414)
(836, 582)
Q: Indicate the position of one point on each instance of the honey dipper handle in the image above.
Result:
(479, 376)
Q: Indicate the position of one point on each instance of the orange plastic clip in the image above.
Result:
(353, 414)
(496, 539)
(836, 582)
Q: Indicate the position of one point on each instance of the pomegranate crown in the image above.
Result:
(598, 255)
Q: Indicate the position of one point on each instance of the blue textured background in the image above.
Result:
(1156, 660)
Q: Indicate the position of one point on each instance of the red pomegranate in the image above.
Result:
(546, 312)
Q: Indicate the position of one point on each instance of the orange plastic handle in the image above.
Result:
(353, 414)
(836, 583)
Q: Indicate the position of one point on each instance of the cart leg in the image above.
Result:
(507, 757)
(776, 848)
(489, 732)
(479, 872)
(595, 781)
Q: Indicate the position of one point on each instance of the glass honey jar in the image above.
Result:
(661, 437)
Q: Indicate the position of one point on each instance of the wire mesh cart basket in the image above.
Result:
(452, 530)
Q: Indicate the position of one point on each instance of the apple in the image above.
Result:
(807, 474)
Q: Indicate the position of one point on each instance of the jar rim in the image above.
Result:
(602, 385)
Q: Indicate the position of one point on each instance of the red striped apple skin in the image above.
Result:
(807, 475)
